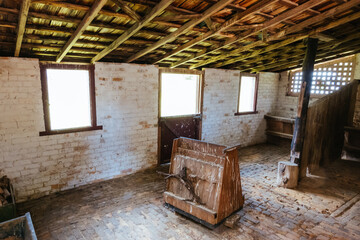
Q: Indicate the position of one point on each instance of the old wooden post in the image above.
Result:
(300, 121)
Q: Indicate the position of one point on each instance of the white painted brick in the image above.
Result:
(220, 103)
(41, 165)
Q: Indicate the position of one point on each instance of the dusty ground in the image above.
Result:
(325, 206)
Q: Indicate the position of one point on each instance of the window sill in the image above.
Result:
(245, 113)
(71, 130)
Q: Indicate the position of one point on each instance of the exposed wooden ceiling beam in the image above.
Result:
(90, 15)
(278, 56)
(216, 7)
(243, 27)
(98, 24)
(288, 3)
(104, 37)
(272, 22)
(271, 47)
(127, 10)
(296, 61)
(79, 7)
(323, 37)
(134, 29)
(8, 24)
(231, 6)
(124, 16)
(24, 10)
(282, 17)
(237, 17)
(314, 20)
(209, 23)
(178, 17)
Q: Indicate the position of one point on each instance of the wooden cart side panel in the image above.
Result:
(174, 150)
(231, 198)
(211, 159)
(195, 210)
(206, 179)
(205, 170)
(204, 147)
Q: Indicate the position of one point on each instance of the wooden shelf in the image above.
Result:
(280, 134)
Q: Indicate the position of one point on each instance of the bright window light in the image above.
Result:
(69, 98)
(247, 94)
(179, 94)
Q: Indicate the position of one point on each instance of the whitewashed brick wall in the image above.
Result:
(127, 107)
(286, 106)
(220, 103)
(127, 101)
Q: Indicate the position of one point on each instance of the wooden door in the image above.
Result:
(175, 127)
(180, 108)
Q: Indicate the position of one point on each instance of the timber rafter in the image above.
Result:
(248, 35)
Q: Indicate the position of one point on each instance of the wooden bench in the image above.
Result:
(351, 147)
(279, 128)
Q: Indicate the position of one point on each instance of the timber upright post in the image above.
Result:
(288, 172)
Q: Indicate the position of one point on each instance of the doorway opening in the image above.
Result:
(180, 101)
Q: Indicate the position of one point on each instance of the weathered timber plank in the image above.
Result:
(216, 7)
(133, 30)
(24, 10)
(93, 12)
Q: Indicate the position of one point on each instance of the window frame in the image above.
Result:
(199, 95)
(45, 98)
(255, 95)
(326, 64)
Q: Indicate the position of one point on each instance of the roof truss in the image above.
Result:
(247, 35)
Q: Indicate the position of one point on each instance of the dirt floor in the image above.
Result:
(324, 206)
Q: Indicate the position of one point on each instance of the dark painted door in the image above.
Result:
(174, 127)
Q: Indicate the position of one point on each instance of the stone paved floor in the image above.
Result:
(325, 206)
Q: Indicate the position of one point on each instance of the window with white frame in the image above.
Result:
(327, 77)
(180, 94)
(247, 94)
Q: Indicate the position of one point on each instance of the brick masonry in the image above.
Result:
(127, 100)
(220, 103)
(127, 107)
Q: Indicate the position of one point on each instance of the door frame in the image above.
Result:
(200, 95)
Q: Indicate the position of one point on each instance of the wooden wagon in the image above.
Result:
(204, 181)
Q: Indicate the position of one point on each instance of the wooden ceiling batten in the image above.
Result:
(95, 9)
(24, 10)
(328, 14)
(50, 24)
(276, 58)
(134, 29)
(290, 40)
(77, 21)
(127, 10)
(282, 17)
(216, 7)
(108, 13)
(79, 7)
(238, 17)
(280, 35)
